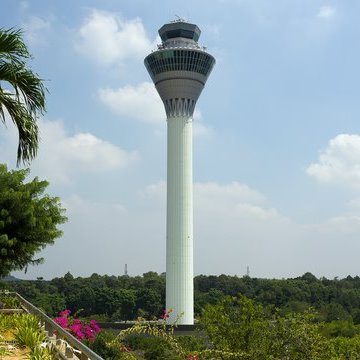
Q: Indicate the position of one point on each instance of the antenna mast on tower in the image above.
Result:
(126, 271)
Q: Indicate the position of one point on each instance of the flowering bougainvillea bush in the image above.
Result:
(82, 331)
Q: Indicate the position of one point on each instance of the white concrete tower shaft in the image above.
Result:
(179, 69)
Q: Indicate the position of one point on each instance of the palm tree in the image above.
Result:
(22, 93)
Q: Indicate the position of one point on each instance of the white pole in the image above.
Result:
(179, 232)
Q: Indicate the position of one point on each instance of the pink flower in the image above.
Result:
(65, 313)
(192, 357)
(89, 332)
(94, 325)
(80, 335)
(76, 327)
(62, 321)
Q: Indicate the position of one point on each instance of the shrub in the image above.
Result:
(78, 328)
(27, 336)
(9, 302)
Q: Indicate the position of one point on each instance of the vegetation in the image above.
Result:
(22, 93)
(26, 337)
(301, 318)
(120, 298)
(27, 332)
(235, 328)
(28, 219)
(82, 331)
(8, 301)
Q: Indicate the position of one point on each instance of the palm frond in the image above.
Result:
(25, 99)
(12, 47)
(27, 127)
(25, 83)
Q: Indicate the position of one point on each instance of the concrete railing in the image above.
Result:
(66, 345)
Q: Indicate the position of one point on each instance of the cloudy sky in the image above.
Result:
(276, 135)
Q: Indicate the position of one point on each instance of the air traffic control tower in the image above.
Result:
(179, 69)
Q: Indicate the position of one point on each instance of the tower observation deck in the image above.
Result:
(179, 69)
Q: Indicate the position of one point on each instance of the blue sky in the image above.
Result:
(276, 135)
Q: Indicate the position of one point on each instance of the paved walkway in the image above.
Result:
(18, 354)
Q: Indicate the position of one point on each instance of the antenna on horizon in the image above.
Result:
(126, 271)
(247, 271)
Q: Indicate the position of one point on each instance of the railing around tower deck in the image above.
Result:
(66, 345)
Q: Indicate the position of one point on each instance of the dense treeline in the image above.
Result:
(126, 298)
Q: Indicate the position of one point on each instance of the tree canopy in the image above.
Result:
(28, 219)
(22, 93)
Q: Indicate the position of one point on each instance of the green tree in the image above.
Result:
(236, 324)
(345, 348)
(51, 304)
(149, 301)
(297, 337)
(28, 219)
(22, 93)
(128, 303)
(238, 328)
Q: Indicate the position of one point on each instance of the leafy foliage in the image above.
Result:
(6, 322)
(236, 326)
(345, 348)
(42, 353)
(166, 347)
(103, 346)
(28, 219)
(243, 329)
(27, 331)
(8, 301)
(117, 298)
(28, 336)
(4, 351)
(23, 97)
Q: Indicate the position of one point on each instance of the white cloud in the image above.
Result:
(36, 29)
(354, 203)
(343, 224)
(233, 200)
(233, 227)
(199, 128)
(143, 103)
(326, 11)
(108, 39)
(74, 204)
(24, 5)
(214, 30)
(158, 190)
(97, 230)
(233, 192)
(339, 162)
(140, 102)
(61, 155)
